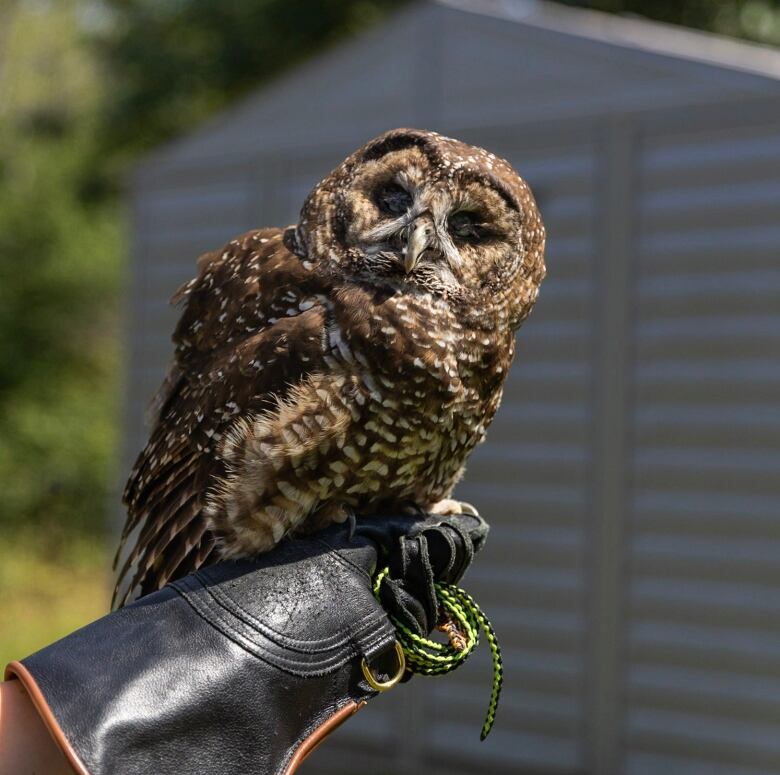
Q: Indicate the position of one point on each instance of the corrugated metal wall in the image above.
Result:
(702, 624)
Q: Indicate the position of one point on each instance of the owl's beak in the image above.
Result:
(419, 240)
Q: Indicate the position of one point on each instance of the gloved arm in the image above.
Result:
(244, 666)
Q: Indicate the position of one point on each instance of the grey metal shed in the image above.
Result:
(631, 477)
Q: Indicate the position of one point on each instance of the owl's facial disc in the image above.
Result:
(409, 223)
(426, 213)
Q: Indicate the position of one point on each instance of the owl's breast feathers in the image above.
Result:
(290, 389)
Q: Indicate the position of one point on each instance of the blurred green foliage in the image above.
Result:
(59, 262)
(50, 589)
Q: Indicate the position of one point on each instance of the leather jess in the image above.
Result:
(244, 666)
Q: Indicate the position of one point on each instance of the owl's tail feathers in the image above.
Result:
(165, 526)
(180, 546)
(149, 549)
(166, 465)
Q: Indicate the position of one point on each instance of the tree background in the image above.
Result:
(86, 86)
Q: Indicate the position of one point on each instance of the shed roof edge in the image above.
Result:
(631, 32)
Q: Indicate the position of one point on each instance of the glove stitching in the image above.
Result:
(237, 610)
(223, 619)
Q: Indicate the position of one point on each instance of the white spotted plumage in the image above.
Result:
(339, 363)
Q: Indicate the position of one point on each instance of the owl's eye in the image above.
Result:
(393, 199)
(465, 226)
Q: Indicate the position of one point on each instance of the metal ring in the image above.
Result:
(383, 686)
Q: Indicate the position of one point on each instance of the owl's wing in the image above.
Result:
(251, 328)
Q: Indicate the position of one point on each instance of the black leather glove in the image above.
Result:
(245, 666)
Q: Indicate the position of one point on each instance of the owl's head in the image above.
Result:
(418, 211)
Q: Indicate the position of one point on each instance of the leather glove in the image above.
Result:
(246, 666)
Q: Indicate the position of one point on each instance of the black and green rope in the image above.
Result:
(428, 657)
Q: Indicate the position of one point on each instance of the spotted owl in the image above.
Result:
(348, 363)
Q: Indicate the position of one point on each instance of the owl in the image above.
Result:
(344, 365)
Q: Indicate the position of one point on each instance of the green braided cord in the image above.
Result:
(427, 657)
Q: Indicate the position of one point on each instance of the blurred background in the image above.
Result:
(632, 474)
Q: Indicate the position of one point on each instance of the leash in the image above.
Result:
(462, 621)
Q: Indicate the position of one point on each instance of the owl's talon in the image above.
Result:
(468, 508)
(449, 507)
(351, 522)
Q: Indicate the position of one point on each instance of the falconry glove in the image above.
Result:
(245, 666)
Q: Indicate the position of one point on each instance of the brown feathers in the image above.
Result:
(327, 367)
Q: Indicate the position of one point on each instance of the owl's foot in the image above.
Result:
(449, 507)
